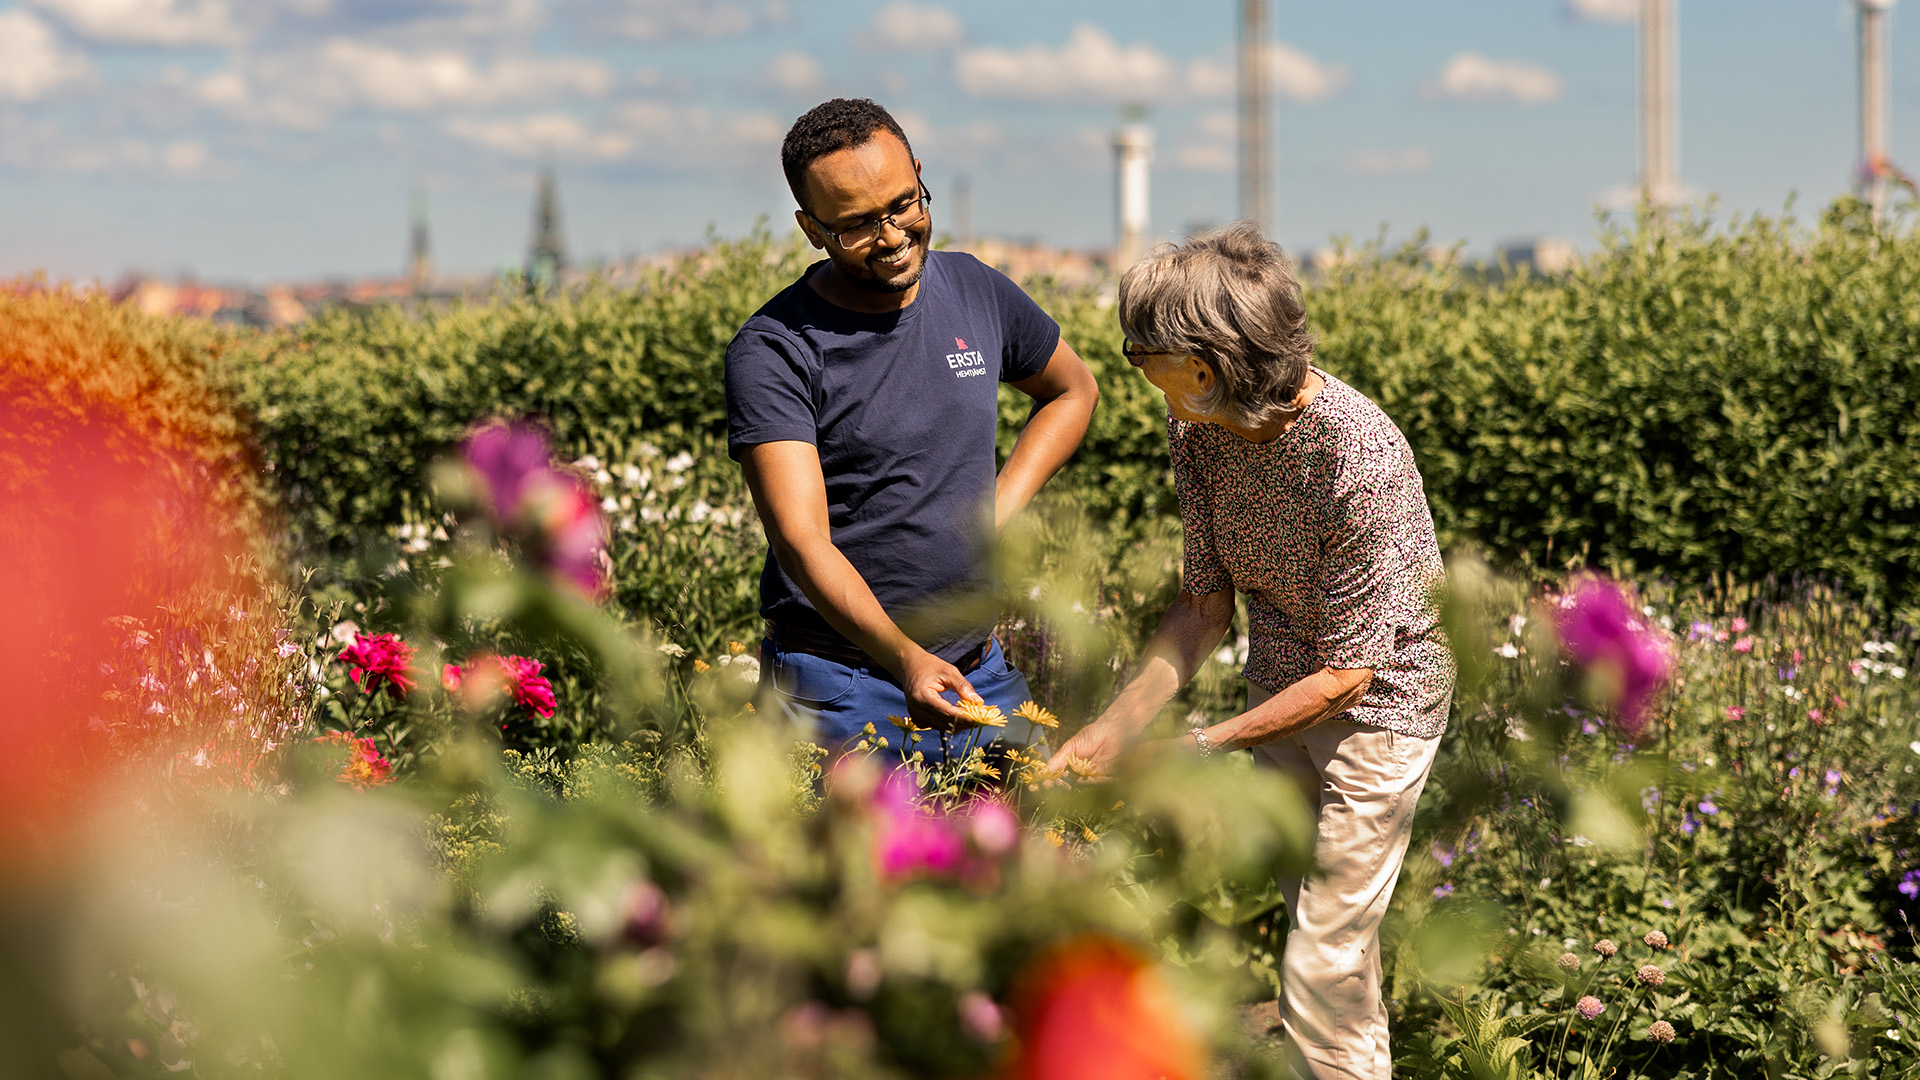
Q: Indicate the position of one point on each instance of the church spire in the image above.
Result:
(548, 256)
(419, 250)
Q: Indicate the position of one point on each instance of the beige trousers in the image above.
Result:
(1365, 781)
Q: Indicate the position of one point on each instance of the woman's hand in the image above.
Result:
(1097, 746)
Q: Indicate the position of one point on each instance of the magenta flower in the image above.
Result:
(1739, 625)
(377, 661)
(1589, 1007)
(912, 840)
(1604, 635)
(510, 457)
(1736, 713)
(528, 686)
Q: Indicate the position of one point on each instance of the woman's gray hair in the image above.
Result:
(1228, 298)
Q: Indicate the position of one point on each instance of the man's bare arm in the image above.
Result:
(1065, 394)
(790, 494)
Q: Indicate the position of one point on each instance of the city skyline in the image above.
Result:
(284, 139)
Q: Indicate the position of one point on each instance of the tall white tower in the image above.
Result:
(1659, 104)
(1255, 153)
(1874, 168)
(1132, 154)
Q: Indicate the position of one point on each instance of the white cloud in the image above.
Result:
(654, 20)
(147, 22)
(1205, 157)
(32, 59)
(1607, 11)
(46, 148)
(1292, 74)
(1219, 124)
(1091, 66)
(795, 73)
(304, 89)
(544, 135)
(1472, 79)
(907, 27)
(1410, 161)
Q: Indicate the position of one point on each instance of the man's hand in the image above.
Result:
(925, 677)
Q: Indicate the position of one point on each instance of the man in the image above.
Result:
(862, 406)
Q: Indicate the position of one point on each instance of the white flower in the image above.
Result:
(1507, 650)
(627, 523)
(610, 504)
(1225, 655)
(1791, 693)
(650, 514)
(1578, 840)
(602, 477)
(588, 462)
(673, 649)
(748, 666)
(701, 511)
(1517, 731)
(1516, 624)
(647, 449)
(1897, 672)
(679, 462)
(631, 475)
(345, 631)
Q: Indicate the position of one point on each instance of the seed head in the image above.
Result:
(1660, 1032)
(1589, 1007)
(1569, 962)
(1650, 975)
(1655, 939)
(1605, 947)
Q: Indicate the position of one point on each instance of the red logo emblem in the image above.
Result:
(959, 343)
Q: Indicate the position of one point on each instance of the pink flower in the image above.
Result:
(1739, 625)
(1736, 713)
(1603, 635)
(450, 677)
(1589, 1007)
(911, 839)
(993, 828)
(510, 457)
(576, 535)
(365, 767)
(379, 660)
(1744, 645)
(1816, 715)
(528, 686)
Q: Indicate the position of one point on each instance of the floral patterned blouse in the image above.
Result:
(1326, 531)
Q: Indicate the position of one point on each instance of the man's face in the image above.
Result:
(859, 185)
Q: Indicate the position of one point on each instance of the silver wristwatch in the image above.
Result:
(1200, 740)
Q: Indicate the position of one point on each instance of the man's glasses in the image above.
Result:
(865, 233)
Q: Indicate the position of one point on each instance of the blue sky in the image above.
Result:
(255, 140)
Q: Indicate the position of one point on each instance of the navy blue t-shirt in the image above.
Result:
(903, 409)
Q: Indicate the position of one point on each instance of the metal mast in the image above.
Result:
(1874, 166)
(1255, 152)
(419, 252)
(1659, 104)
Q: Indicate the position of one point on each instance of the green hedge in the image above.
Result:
(1692, 400)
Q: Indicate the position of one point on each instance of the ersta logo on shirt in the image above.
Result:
(967, 361)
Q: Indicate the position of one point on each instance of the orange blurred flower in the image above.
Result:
(1096, 1008)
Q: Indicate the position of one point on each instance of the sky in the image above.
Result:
(248, 141)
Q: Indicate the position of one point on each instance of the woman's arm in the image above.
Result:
(1187, 633)
(1320, 696)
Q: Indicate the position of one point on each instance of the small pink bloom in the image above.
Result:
(993, 828)
(912, 839)
(1739, 625)
(980, 1017)
(1816, 715)
(450, 676)
(1589, 1007)
(528, 686)
(1744, 645)
(1736, 713)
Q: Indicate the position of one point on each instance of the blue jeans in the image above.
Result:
(835, 701)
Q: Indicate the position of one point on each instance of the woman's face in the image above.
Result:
(1183, 379)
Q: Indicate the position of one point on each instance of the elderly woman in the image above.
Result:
(1297, 491)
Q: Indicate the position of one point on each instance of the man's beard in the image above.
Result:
(862, 274)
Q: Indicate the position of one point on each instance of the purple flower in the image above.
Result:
(1441, 892)
(1603, 635)
(1708, 808)
(1688, 823)
(1442, 855)
(1699, 631)
(510, 457)
(1910, 884)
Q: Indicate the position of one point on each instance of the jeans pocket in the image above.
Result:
(811, 681)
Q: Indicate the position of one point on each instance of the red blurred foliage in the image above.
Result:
(1096, 1008)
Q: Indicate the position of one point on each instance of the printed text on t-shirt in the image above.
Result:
(971, 362)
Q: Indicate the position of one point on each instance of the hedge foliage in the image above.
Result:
(1697, 398)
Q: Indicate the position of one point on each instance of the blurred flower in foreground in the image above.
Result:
(550, 512)
(365, 767)
(485, 676)
(380, 661)
(1096, 1008)
(1605, 636)
(913, 839)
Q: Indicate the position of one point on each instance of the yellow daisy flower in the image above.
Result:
(1031, 712)
(702, 666)
(735, 648)
(1083, 767)
(979, 712)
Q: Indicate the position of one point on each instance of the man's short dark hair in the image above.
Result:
(830, 127)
